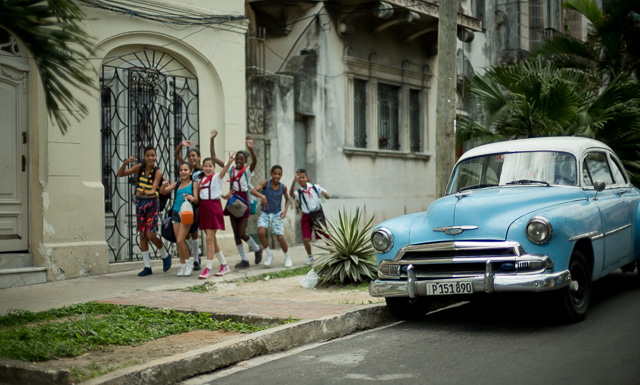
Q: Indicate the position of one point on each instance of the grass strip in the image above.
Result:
(74, 330)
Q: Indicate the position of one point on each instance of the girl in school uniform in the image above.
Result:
(187, 190)
(211, 216)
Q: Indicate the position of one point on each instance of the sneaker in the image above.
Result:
(224, 269)
(181, 270)
(267, 261)
(166, 263)
(196, 265)
(242, 265)
(287, 262)
(188, 269)
(206, 274)
(258, 254)
(145, 271)
(309, 261)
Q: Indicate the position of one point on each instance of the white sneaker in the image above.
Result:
(309, 261)
(287, 262)
(187, 270)
(269, 259)
(181, 270)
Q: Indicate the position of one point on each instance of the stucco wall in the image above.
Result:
(71, 204)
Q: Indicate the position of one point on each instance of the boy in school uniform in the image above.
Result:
(271, 213)
(308, 198)
(147, 206)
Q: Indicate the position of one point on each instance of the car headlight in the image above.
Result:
(539, 230)
(382, 240)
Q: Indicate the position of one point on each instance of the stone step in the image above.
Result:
(14, 260)
(22, 276)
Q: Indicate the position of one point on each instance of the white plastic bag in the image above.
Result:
(310, 280)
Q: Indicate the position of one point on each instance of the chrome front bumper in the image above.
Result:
(488, 283)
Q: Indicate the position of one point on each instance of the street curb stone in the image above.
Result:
(169, 370)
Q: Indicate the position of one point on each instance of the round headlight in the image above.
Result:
(382, 240)
(539, 230)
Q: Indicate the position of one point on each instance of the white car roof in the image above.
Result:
(572, 144)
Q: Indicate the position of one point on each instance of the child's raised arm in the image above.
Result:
(185, 143)
(293, 185)
(212, 148)
(254, 158)
(222, 173)
(130, 170)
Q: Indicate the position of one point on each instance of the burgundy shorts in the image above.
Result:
(211, 215)
(305, 225)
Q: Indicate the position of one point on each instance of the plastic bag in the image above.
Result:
(186, 213)
(310, 280)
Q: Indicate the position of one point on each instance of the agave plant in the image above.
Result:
(349, 257)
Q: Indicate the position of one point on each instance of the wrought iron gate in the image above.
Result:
(148, 98)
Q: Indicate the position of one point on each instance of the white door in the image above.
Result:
(13, 160)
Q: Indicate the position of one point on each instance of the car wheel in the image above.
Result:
(408, 308)
(573, 301)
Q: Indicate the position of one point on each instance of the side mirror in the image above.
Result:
(598, 186)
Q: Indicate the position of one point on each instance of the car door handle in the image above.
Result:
(622, 191)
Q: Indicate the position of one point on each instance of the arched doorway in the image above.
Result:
(148, 98)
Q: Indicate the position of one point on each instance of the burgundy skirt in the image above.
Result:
(211, 215)
(244, 196)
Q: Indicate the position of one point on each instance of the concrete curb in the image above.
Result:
(170, 370)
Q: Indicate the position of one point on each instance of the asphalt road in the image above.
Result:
(505, 340)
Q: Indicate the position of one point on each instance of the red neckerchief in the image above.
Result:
(206, 181)
(308, 191)
(235, 177)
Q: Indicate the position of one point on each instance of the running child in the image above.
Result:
(308, 198)
(239, 179)
(149, 177)
(272, 214)
(186, 190)
(193, 157)
(211, 217)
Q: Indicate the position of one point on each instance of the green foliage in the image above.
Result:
(51, 334)
(52, 32)
(350, 257)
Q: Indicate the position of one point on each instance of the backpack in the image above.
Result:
(162, 198)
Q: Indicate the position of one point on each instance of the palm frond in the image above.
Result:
(52, 32)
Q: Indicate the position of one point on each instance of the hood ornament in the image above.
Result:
(455, 230)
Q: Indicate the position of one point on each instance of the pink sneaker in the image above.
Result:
(224, 269)
(206, 274)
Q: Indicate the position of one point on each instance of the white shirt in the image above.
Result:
(212, 189)
(244, 180)
(311, 200)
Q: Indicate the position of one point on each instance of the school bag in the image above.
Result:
(316, 217)
(253, 202)
(162, 198)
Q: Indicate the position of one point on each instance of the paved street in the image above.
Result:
(504, 341)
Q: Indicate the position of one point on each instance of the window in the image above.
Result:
(618, 173)
(388, 117)
(596, 168)
(415, 127)
(359, 113)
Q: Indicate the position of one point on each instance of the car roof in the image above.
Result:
(572, 144)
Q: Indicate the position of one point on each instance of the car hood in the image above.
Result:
(491, 210)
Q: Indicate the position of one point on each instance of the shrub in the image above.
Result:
(350, 257)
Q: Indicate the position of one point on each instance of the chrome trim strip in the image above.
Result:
(592, 235)
(512, 283)
(461, 245)
(455, 230)
(617, 230)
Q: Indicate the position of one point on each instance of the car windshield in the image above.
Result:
(543, 168)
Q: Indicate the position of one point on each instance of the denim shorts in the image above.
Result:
(266, 219)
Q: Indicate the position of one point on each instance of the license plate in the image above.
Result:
(449, 287)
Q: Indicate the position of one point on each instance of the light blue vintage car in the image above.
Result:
(532, 215)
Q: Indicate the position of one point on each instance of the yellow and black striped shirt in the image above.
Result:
(145, 183)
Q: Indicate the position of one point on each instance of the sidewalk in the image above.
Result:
(319, 322)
